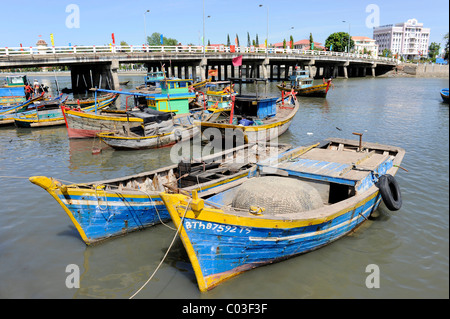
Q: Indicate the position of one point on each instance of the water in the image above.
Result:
(410, 246)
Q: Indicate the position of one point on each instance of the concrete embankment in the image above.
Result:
(419, 71)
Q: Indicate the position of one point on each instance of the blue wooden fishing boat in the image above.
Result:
(444, 95)
(299, 201)
(30, 110)
(109, 208)
(55, 117)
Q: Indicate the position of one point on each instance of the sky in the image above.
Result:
(91, 22)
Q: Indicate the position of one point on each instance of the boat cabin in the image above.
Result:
(174, 96)
(301, 79)
(218, 94)
(16, 81)
(154, 78)
(255, 106)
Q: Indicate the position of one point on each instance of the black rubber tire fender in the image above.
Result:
(390, 192)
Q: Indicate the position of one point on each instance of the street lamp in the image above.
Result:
(145, 26)
(348, 47)
(267, 34)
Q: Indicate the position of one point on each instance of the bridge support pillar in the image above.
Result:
(86, 76)
(203, 68)
(266, 68)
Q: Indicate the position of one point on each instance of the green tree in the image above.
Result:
(237, 39)
(339, 41)
(257, 40)
(311, 42)
(446, 47)
(284, 43)
(433, 50)
(155, 39)
(228, 40)
(386, 53)
(248, 39)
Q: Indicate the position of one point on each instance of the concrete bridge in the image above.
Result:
(97, 66)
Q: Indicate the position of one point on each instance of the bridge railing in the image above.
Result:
(114, 49)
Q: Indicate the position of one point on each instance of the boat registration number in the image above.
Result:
(218, 228)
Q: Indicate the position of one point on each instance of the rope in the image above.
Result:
(170, 246)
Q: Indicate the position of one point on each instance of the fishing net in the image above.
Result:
(276, 195)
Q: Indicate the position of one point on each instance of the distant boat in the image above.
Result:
(444, 95)
(302, 83)
(110, 208)
(304, 199)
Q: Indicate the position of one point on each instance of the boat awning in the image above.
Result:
(150, 115)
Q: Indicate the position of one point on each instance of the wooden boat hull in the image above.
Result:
(106, 209)
(122, 142)
(444, 95)
(313, 91)
(87, 125)
(258, 133)
(222, 243)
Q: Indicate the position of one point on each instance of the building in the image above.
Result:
(407, 39)
(365, 45)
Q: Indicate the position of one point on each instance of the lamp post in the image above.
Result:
(145, 26)
(348, 47)
(267, 34)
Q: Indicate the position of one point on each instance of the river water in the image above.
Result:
(410, 247)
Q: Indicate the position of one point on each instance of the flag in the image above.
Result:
(213, 72)
(312, 45)
(51, 38)
(237, 61)
(113, 40)
(265, 42)
(162, 39)
(236, 41)
(331, 47)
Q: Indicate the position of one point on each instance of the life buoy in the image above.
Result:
(390, 192)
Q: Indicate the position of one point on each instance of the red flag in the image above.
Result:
(113, 40)
(237, 61)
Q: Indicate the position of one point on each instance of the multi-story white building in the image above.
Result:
(408, 39)
(365, 45)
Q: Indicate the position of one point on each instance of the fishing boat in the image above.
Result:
(170, 122)
(299, 201)
(110, 208)
(86, 124)
(444, 95)
(32, 105)
(55, 117)
(255, 117)
(302, 83)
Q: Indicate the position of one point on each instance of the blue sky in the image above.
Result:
(23, 22)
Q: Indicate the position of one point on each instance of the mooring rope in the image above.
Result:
(167, 252)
